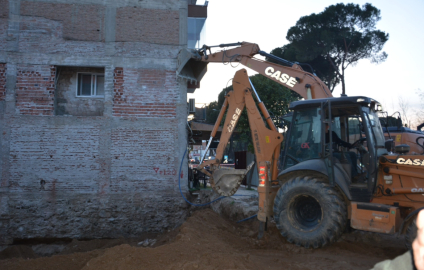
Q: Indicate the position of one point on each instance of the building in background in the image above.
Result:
(92, 117)
(196, 20)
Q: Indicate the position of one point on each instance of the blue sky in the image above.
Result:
(266, 23)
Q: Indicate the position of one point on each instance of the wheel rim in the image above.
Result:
(306, 212)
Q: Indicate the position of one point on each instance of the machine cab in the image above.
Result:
(342, 131)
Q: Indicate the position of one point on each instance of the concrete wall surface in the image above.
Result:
(102, 164)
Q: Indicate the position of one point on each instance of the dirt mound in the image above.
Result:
(207, 241)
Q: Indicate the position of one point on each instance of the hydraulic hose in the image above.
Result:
(246, 219)
(422, 145)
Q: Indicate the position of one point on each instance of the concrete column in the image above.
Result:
(110, 28)
(183, 23)
(13, 30)
(182, 101)
(10, 101)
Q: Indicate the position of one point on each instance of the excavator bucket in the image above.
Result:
(190, 66)
(226, 181)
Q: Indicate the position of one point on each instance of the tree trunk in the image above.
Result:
(343, 82)
(338, 73)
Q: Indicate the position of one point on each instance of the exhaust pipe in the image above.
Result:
(190, 66)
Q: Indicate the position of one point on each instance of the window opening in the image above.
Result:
(90, 85)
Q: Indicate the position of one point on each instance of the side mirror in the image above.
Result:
(389, 145)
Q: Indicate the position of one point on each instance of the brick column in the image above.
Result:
(35, 89)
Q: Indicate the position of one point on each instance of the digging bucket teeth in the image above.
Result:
(190, 66)
(227, 181)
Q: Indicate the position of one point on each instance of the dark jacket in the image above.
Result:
(337, 140)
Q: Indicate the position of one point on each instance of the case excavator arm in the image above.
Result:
(266, 141)
(193, 65)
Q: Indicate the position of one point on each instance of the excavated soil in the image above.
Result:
(208, 241)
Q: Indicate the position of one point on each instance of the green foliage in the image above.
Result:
(212, 111)
(342, 35)
(318, 65)
(275, 97)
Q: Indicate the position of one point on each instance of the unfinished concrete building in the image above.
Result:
(92, 117)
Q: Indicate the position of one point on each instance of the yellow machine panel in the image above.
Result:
(375, 217)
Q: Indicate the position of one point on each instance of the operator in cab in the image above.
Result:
(335, 138)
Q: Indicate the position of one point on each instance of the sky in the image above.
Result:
(266, 23)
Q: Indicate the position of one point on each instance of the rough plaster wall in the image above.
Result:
(4, 9)
(3, 33)
(37, 30)
(41, 35)
(71, 176)
(2, 81)
(148, 4)
(144, 93)
(53, 158)
(46, 36)
(56, 28)
(140, 165)
(53, 215)
(59, 185)
(67, 103)
(154, 26)
(80, 22)
(145, 50)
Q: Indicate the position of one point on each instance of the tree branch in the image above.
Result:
(332, 64)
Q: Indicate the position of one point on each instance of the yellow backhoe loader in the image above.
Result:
(335, 168)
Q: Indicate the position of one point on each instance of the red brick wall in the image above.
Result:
(2, 81)
(35, 89)
(147, 25)
(80, 22)
(144, 93)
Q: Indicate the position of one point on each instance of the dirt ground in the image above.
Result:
(208, 241)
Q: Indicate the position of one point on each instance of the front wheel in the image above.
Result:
(309, 212)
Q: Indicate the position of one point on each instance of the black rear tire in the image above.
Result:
(309, 212)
